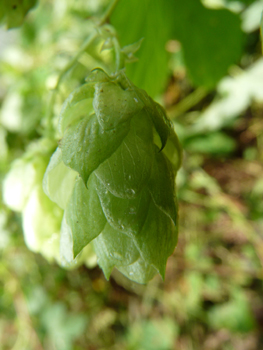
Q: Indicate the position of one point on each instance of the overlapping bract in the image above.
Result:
(114, 175)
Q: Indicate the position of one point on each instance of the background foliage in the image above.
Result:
(203, 62)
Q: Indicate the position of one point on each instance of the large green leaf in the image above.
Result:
(212, 40)
(148, 19)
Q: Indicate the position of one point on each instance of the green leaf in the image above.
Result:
(150, 72)
(125, 173)
(212, 40)
(61, 327)
(261, 31)
(130, 50)
(14, 11)
(84, 214)
(86, 145)
(114, 248)
(59, 180)
(215, 143)
(234, 315)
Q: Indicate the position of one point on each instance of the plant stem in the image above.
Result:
(119, 64)
(72, 62)
(108, 12)
(187, 103)
(119, 59)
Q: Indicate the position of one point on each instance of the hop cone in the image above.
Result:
(114, 175)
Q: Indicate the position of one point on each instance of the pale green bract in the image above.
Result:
(41, 217)
(113, 174)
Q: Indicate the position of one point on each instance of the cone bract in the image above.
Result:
(114, 175)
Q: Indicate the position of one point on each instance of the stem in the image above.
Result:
(72, 62)
(119, 64)
(119, 59)
(187, 103)
(108, 12)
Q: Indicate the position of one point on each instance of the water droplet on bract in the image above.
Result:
(130, 191)
(135, 99)
(132, 210)
(120, 224)
(130, 273)
(129, 177)
(117, 256)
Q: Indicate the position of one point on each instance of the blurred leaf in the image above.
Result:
(212, 40)
(236, 93)
(62, 327)
(14, 11)
(130, 50)
(261, 30)
(234, 315)
(246, 2)
(134, 20)
(251, 17)
(158, 334)
(216, 143)
(193, 298)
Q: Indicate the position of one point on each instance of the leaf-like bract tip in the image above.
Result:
(162, 271)
(97, 75)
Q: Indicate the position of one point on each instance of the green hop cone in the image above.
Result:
(114, 175)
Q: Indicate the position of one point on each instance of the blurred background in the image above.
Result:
(203, 62)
